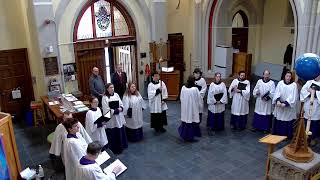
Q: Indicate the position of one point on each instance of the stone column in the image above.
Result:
(47, 35)
(197, 60)
(159, 20)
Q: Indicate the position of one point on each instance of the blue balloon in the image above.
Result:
(308, 66)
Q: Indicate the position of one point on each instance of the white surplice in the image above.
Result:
(287, 93)
(73, 150)
(96, 134)
(117, 120)
(263, 107)
(155, 104)
(305, 97)
(202, 82)
(59, 136)
(92, 172)
(240, 101)
(136, 103)
(216, 89)
(190, 104)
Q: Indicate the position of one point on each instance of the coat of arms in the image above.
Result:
(103, 18)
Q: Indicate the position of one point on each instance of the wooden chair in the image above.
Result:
(38, 113)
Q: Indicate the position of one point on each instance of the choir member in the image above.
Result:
(96, 130)
(201, 84)
(133, 106)
(285, 99)
(74, 148)
(190, 105)
(157, 95)
(60, 134)
(263, 91)
(217, 100)
(89, 169)
(239, 91)
(115, 130)
(312, 109)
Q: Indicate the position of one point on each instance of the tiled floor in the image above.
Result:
(226, 155)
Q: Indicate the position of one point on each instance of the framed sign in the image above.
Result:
(51, 66)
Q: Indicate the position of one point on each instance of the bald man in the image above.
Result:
(97, 86)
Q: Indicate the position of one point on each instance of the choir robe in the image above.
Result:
(115, 130)
(190, 106)
(59, 136)
(134, 124)
(215, 119)
(96, 133)
(157, 108)
(262, 119)
(201, 82)
(315, 114)
(88, 169)
(240, 105)
(73, 149)
(285, 116)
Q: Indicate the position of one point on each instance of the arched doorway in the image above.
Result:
(104, 36)
(240, 26)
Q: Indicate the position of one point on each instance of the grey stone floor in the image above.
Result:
(226, 155)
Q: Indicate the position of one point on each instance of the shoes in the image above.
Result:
(162, 130)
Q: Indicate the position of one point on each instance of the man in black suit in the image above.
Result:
(119, 80)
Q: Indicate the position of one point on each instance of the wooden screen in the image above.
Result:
(10, 146)
(88, 55)
(176, 53)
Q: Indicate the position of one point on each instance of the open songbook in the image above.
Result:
(167, 69)
(104, 118)
(242, 86)
(108, 170)
(218, 96)
(103, 157)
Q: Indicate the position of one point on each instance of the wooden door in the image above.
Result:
(176, 53)
(89, 55)
(15, 73)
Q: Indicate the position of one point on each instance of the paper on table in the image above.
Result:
(78, 103)
(27, 173)
(103, 157)
(108, 170)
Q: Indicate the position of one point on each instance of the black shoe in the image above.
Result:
(162, 130)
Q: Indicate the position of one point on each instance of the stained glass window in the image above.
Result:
(237, 21)
(102, 19)
(85, 31)
(120, 24)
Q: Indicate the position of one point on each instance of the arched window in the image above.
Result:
(237, 21)
(103, 19)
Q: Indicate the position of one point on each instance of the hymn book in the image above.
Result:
(242, 86)
(108, 170)
(103, 157)
(315, 87)
(218, 96)
(113, 104)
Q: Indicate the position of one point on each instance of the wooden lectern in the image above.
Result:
(271, 140)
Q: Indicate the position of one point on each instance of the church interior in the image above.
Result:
(52, 51)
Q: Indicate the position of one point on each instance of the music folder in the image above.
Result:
(218, 96)
(242, 86)
(114, 104)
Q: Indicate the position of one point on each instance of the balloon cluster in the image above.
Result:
(308, 66)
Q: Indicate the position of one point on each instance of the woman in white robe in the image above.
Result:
(60, 134)
(190, 106)
(88, 169)
(157, 95)
(115, 126)
(263, 91)
(240, 101)
(201, 84)
(74, 148)
(96, 131)
(216, 107)
(133, 105)
(313, 114)
(285, 112)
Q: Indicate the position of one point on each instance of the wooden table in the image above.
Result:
(271, 140)
(57, 115)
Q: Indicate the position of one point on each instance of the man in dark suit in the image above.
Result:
(119, 80)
